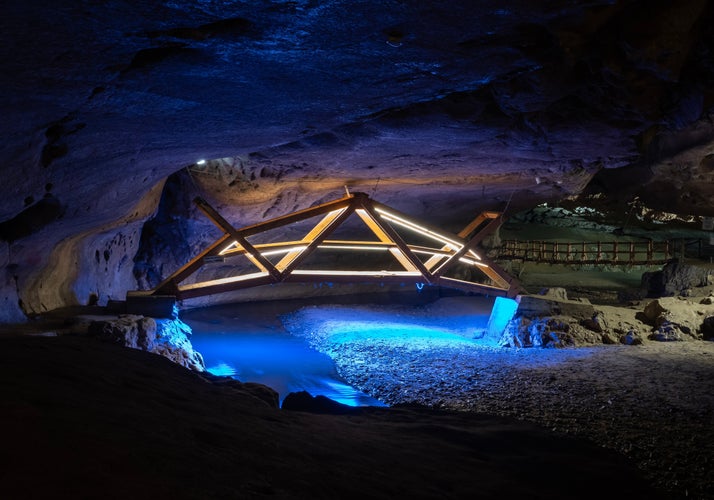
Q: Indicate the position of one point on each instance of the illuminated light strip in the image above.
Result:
(222, 281)
(475, 254)
(298, 248)
(233, 244)
(415, 227)
(445, 254)
(357, 247)
(356, 273)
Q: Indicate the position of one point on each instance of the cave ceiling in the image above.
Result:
(439, 108)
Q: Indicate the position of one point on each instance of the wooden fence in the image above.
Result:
(598, 252)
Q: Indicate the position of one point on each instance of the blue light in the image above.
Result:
(503, 311)
(221, 370)
(274, 358)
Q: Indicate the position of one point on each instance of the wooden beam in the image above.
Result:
(475, 240)
(474, 224)
(170, 285)
(223, 285)
(313, 239)
(298, 216)
(386, 231)
(255, 256)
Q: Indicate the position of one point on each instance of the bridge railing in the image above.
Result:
(597, 252)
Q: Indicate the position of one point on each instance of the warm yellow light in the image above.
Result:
(284, 250)
(233, 244)
(356, 247)
(355, 273)
(419, 229)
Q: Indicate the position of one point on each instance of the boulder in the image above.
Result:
(632, 337)
(669, 332)
(675, 278)
(673, 317)
(165, 337)
(554, 302)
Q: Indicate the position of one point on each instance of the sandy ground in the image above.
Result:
(654, 403)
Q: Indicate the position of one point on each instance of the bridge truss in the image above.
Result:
(391, 248)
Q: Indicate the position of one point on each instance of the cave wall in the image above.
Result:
(440, 109)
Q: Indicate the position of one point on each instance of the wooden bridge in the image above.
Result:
(406, 251)
(631, 253)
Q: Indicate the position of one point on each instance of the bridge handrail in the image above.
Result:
(587, 252)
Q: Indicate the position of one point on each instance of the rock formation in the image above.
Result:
(166, 337)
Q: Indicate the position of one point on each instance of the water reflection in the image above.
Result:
(248, 342)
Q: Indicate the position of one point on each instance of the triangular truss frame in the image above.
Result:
(379, 218)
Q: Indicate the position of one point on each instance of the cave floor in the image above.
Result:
(85, 419)
(654, 402)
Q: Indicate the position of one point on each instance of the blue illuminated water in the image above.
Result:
(249, 343)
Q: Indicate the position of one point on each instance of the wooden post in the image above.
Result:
(614, 251)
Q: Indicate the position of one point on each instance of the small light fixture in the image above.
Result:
(201, 162)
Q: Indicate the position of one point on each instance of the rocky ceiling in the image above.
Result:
(438, 108)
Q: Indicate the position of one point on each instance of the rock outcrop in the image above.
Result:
(165, 337)
(676, 278)
(553, 320)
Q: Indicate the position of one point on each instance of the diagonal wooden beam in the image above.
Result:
(387, 231)
(478, 220)
(385, 239)
(316, 236)
(255, 256)
(298, 216)
(475, 240)
(170, 284)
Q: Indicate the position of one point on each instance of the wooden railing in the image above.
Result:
(597, 252)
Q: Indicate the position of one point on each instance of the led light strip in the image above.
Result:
(419, 229)
(424, 231)
(446, 254)
(355, 273)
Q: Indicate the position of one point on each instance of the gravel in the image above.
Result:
(654, 403)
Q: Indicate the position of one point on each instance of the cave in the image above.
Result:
(566, 353)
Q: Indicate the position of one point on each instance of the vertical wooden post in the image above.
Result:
(650, 251)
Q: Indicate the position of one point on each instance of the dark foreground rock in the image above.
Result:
(304, 401)
(86, 419)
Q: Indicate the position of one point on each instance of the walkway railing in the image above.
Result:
(598, 252)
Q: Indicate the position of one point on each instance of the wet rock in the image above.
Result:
(167, 338)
